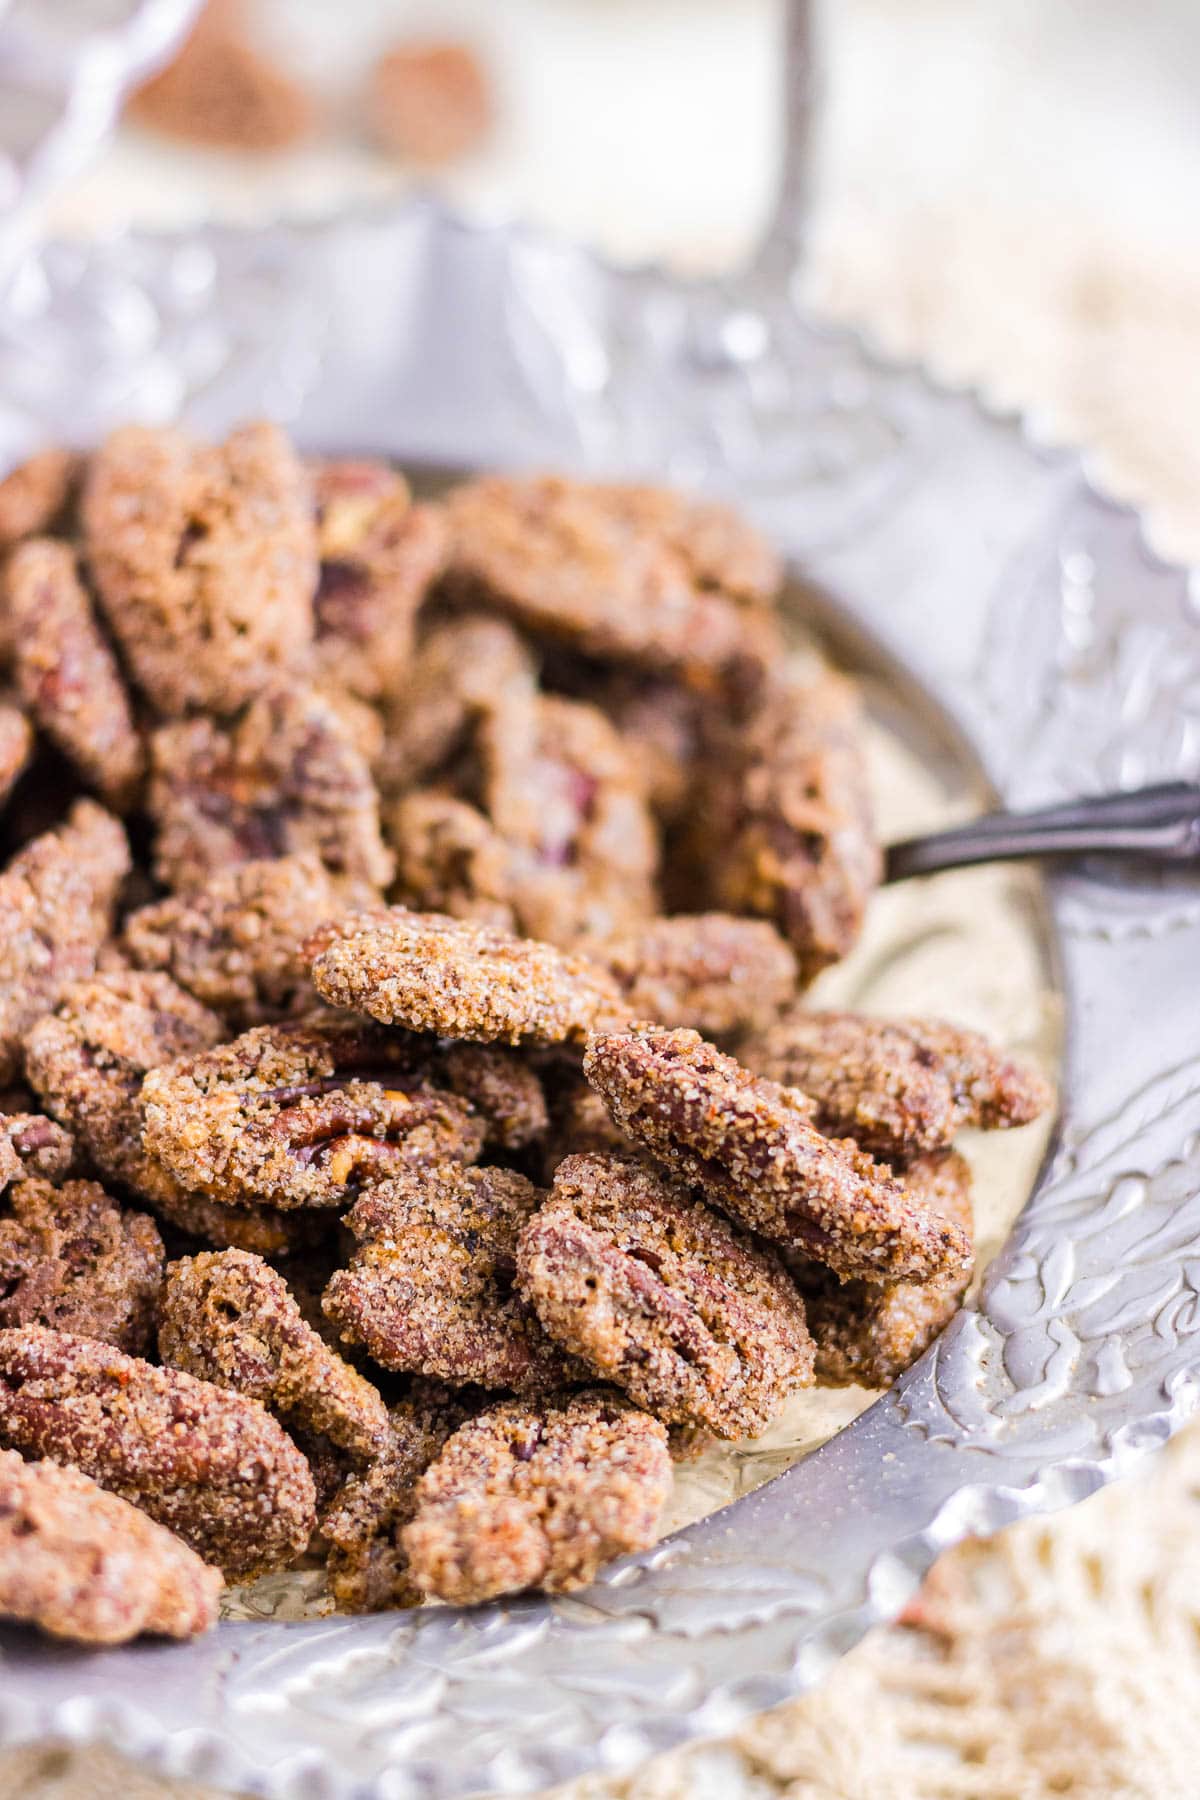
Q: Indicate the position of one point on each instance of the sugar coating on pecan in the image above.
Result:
(84, 1565)
(462, 669)
(212, 1466)
(221, 91)
(897, 1086)
(430, 1286)
(569, 802)
(750, 1146)
(65, 671)
(302, 1116)
(34, 1147)
(537, 1496)
(16, 747)
(57, 897)
(285, 778)
(461, 980)
(380, 551)
(868, 1332)
(34, 494)
(73, 1259)
(664, 1298)
(784, 830)
(204, 559)
(234, 943)
(228, 1317)
(713, 971)
(610, 571)
(366, 1562)
(87, 1061)
(449, 859)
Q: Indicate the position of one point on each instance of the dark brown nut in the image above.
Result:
(86, 1566)
(235, 942)
(867, 1333)
(609, 571)
(784, 829)
(717, 973)
(566, 798)
(65, 672)
(429, 103)
(462, 980)
(34, 494)
(449, 859)
(537, 1496)
(57, 897)
(380, 552)
(33, 1147)
(301, 1116)
(366, 1562)
(204, 559)
(501, 1086)
(87, 1061)
(212, 1466)
(663, 1298)
(750, 1147)
(228, 1317)
(71, 1258)
(430, 1287)
(16, 747)
(897, 1086)
(285, 779)
(462, 670)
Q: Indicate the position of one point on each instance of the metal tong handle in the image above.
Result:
(1161, 824)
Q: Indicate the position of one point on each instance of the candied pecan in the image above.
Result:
(212, 1466)
(463, 668)
(713, 971)
(379, 553)
(285, 778)
(301, 1115)
(565, 796)
(65, 671)
(461, 979)
(56, 905)
(84, 1565)
(228, 1317)
(34, 494)
(220, 91)
(87, 1061)
(897, 1086)
(868, 1332)
(367, 1565)
(32, 1146)
(749, 1145)
(429, 103)
(611, 572)
(235, 942)
(204, 559)
(537, 1496)
(784, 828)
(449, 859)
(73, 1259)
(16, 747)
(663, 1298)
(430, 1287)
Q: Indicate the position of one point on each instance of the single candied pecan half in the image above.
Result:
(713, 971)
(449, 859)
(751, 1148)
(204, 559)
(537, 1495)
(302, 1116)
(73, 1259)
(430, 1286)
(84, 1565)
(211, 1466)
(897, 1086)
(57, 897)
(664, 1298)
(66, 673)
(868, 1332)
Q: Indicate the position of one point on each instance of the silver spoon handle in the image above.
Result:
(1161, 824)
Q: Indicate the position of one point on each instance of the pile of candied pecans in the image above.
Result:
(414, 1136)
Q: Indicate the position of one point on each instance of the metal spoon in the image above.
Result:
(1159, 824)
